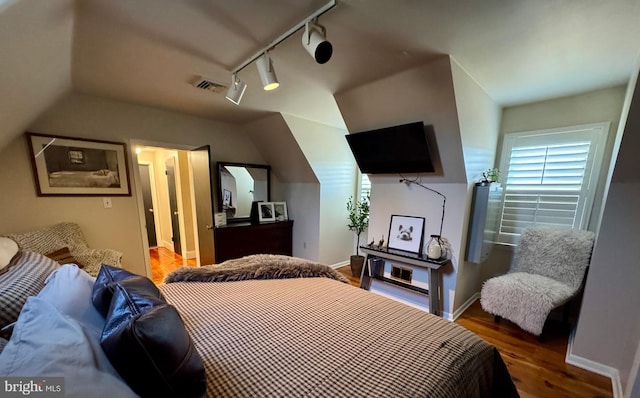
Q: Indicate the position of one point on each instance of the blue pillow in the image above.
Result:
(147, 343)
(46, 342)
(108, 276)
(69, 289)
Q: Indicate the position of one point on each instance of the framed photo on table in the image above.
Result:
(65, 166)
(266, 212)
(406, 233)
(280, 211)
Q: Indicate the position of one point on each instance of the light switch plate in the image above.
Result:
(107, 203)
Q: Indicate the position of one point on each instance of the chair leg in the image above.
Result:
(497, 318)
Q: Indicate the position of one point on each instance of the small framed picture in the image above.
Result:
(266, 212)
(406, 233)
(226, 198)
(280, 209)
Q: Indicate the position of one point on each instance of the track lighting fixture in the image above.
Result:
(315, 42)
(236, 90)
(267, 74)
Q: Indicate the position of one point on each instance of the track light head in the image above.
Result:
(236, 90)
(267, 73)
(315, 42)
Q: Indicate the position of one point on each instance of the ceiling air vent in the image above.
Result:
(204, 84)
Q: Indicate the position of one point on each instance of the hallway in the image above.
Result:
(164, 261)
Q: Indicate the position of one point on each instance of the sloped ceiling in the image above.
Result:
(148, 51)
(35, 60)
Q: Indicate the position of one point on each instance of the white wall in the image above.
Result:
(479, 119)
(303, 206)
(329, 155)
(425, 93)
(592, 107)
(91, 117)
(293, 181)
(608, 330)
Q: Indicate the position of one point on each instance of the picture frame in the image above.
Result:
(266, 212)
(226, 198)
(67, 166)
(280, 211)
(406, 233)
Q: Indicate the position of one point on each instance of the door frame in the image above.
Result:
(154, 199)
(137, 189)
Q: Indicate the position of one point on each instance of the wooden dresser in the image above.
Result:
(238, 240)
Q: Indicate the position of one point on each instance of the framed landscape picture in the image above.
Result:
(406, 233)
(68, 166)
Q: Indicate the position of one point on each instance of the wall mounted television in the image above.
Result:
(392, 150)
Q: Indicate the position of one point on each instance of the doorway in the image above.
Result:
(176, 218)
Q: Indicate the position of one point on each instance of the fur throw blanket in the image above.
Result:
(257, 266)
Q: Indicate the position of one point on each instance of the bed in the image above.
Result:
(86, 179)
(279, 333)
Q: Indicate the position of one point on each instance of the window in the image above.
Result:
(551, 178)
(365, 186)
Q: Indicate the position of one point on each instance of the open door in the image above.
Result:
(200, 159)
(173, 205)
(147, 199)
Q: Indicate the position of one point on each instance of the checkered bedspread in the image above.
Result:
(316, 337)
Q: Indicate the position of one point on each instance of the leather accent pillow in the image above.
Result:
(147, 343)
(63, 256)
(108, 277)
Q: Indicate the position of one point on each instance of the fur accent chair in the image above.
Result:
(548, 270)
(67, 235)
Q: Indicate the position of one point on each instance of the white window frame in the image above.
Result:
(595, 133)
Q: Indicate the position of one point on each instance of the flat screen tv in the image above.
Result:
(392, 150)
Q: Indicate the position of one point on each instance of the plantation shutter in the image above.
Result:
(551, 178)
(365, 186)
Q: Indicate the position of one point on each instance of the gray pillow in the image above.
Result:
(23, 277)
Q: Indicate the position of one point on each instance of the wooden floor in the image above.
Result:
(164, 261)
(537, 369)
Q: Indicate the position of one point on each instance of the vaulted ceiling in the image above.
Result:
(150, 51)
(147, 51)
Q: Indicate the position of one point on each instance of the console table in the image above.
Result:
(243, 239)
(398, 258)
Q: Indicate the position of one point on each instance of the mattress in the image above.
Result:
(317, 337)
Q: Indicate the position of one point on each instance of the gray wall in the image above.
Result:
(608, 330)
(86, 116)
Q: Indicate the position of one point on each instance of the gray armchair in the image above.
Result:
(547, 272)
(69, 235)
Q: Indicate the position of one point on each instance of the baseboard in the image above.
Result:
(341, 264)
(595, 367)
(464, 306)
(190, 254)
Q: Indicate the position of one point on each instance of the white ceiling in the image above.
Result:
(148, 51)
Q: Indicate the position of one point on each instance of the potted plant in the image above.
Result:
(490, 175)
(358, 222)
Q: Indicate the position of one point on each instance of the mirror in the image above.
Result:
(240, 184)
